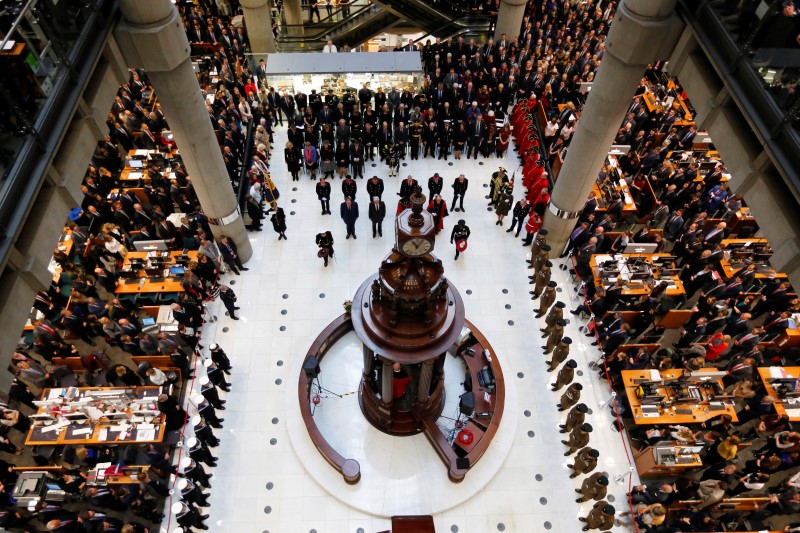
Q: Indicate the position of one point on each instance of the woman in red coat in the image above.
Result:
(438, 208)
(503, 139)
(717, 344)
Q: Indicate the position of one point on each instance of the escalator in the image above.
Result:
(441, 21)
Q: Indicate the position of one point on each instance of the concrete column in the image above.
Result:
(387, 384)
(293, 12)
(258, 19)
(643, 31)
(369, 360)
(425, 376)
(151, 36)
(509, 18)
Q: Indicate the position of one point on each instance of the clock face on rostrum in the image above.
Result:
(417, 246)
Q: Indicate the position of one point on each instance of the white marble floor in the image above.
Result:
(287, 297)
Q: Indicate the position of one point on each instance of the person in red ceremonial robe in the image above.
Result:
(400, 380)
(541, 201)
(438, 208)
(532, 227)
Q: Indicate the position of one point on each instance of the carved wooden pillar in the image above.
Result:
(387, 384)
(425, 376)
(369, 360)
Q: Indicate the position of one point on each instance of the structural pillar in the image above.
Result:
(258, 19)
(293, 13)
(509, 18)
(151, 36)
(387, 384)
(369, 360)
(643, 31)
(424, 387)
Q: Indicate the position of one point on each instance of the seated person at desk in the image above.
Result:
(89, 456)
(122, 376)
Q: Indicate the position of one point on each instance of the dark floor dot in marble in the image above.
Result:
(273, 441)
(510, 322)
(489, 209)
(610, 498)
(322, 295)
(232, 282)
(579, 372)
(405, 164)
(278, 381)
(291, 212)
(226, 313)
(589, 411)
(450, 164)
(543, 500)
(539, 477)
(505, 291)
(294, 200)
(267, 509)
(501, 527)
(224, 330)
(282, 328)
(527, 413)
(294, 189)
(313, 531)
(548, 525)
(284, 311)
(558, 289)
(508, 306)
(360, 530)
(285, 296)
(520, 375)
(275, 420)
(480, 163)
(270, 485)
(469, 291)
(454, 528)
(487, 196)
(531, 434)
(374, 165)
(486, 185)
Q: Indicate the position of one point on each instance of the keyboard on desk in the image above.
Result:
(683, 411)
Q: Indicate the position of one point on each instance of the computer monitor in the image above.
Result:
(135, 163)
(76, 418)
(149, 246)
(642, 247)
(640, 276)
(665, 259)
(128, 274)
(42, 419)
(148, 321)
(619, 149)
(117, 416)
(652, 400)
(176, 271)
(154, 272)
(704, 375)
(670, 272)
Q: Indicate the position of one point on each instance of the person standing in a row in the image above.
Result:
(349, 213)
(279, 223)
(324, 195)
(377, 212)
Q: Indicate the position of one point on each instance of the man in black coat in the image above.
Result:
(324, 195)
(375, 187)
(377, 212)
(349, 213)
(477, 133)
(228, 298)
(254, 212)
(230, 254)
(459, 189)
(521, 211)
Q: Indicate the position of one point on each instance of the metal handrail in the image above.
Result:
(16, 23)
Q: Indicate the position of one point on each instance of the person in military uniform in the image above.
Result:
(445, 140)
(324, 195)
(585, 462)
(407, 187)
(570, 397)
(460, 186)
(521, 210)
(349, 187)
(541, 240)
(499, 179)
(435, 184)
(593, 487)
(541, 279)
(560, 353)
(357, 158)
(503, 204)
(547, 299)
(415, 138)
(578, 438)
(556, 312)
(565, 375)
(541, 257)
(555, 335)
(375, 187)
(392, 158)
(324, 241)
(575, 418)
(600, 517)
(460, 231)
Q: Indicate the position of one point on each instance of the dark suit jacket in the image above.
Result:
(349, 215)
(377, 213)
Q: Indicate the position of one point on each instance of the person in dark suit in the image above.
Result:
(230, 254)
(377, 212)
(349, 213)
(478, 132)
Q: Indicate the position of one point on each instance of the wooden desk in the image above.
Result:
(477, 432)
(66, 435)
(125, 175)
(780, 407)
(726, 504)
(169, 284)
(629, 207)
(669, 415)
(636, 290)
(647, 464)
(728, 269)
